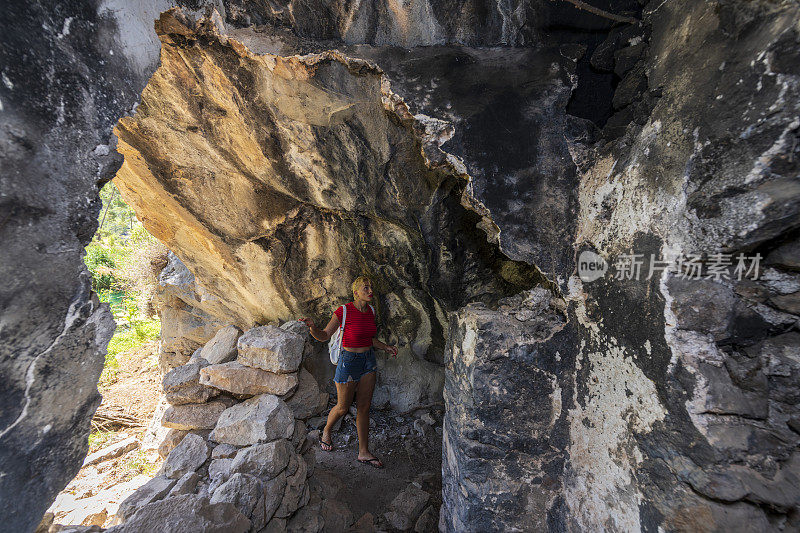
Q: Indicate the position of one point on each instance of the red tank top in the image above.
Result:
(359, 328)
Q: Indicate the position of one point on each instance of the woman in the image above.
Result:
(356, 369)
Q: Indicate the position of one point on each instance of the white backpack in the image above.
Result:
(335, 344)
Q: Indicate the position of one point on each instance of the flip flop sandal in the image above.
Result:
(329, 445)
(371, 462)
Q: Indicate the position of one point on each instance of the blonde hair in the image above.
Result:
(359, 282)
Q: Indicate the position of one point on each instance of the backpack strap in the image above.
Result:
(344, 319)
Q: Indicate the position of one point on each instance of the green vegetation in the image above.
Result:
(98, 439)
(124, 261)
(136, 463)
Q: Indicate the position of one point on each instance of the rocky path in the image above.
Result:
(411, 451)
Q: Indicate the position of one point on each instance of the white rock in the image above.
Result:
(220, 468)
(272, 349)
(181, 385)
(113, 451)
(261, 419)
(245, 380)
(186, 513)
(297, 492)
(246, 492)
(263, 460)
(306, 400)
(187, 456)
(185, 485)
(194, 416)
(172, 439)
(153, 490)
(224, 451)
(222, 347)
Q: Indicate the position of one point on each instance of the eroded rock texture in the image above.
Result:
(675, 407)
(58, 104)
(278, 180)
(68, 71)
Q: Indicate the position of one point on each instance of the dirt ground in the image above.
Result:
(408, 454)
(137, 387)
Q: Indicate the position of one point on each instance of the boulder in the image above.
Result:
(263, 460)
(224, 451)
(185, 485)
(156, 433)
(113, 451)
(297, 491)
(153, 490)
(194, 416)
(260, 419)
(306, 400)
(246, 492)
(172, 439)
(187, 456)
(220, 468)
(272, 349)
(222, 347)
(299, 435)
(239, 379)
(188, 513)
(181, 385)
(310, 457)
(407, 507)
(273, 495)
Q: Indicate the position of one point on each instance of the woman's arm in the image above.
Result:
(322, 334)
(386, 348)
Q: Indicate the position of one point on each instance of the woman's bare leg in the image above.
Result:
(344, 397)
(365, 388)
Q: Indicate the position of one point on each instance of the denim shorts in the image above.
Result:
(353, 366)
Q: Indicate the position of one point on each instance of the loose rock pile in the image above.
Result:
(237, 453)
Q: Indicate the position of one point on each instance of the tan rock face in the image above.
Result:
(240, 379)
(277, 180)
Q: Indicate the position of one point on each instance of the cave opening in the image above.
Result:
(212, 170)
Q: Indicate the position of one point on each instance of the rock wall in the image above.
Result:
(69, 71)
(663, 403)
(58, 104)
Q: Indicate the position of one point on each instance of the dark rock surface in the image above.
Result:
(505, 433)
(61, 94)
(676, 409)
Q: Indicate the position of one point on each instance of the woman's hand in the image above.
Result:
(307, 321)
(391, 349)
